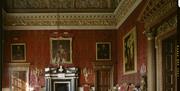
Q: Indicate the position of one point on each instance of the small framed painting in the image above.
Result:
(61, 50)
(103, 50)
(130, 52)
(18, 52)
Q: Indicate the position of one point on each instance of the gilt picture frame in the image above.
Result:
(103, 50)
(18, 52)
(130, 52)
(61, 50)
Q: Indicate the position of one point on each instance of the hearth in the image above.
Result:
(61, 86)
(61, 79)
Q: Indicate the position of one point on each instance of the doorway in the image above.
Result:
(169, 63)
(103, 75)
(166, 64)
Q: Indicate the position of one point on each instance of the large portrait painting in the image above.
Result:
(18, 52)
(61, 50)
(103, 51)
(130, 52)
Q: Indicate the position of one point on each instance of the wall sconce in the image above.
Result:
(36, 72)
(143, 83)
(85, 73)
(143, 70)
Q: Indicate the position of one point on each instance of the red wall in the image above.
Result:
(141, 47)
(38, 47)
(84, 48)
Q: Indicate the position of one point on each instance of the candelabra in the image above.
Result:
(86, 73)
(36, 73)
(143, 84)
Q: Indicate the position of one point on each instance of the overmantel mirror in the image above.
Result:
(19, 76)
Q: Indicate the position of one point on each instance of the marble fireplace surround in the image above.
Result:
(61, 78)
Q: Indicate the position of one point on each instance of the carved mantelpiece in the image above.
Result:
(61, 78)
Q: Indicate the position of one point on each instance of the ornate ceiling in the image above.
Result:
(61, 5)
(157, 10)
(67, 14)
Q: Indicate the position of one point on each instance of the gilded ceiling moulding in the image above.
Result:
(59, 20)
(71, 20)
(167, 25)
(67, 5)
(163, 27)
(156, 11)
(124, 9)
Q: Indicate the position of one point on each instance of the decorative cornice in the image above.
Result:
(124, 9)
(156, 10)
(62, 5)
(57, 19)
(72, 20)
(167, 25)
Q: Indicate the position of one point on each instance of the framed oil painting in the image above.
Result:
(103, 50)
(130, 52)
(18, 52)
(61, 50)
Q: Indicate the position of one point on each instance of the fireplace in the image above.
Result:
(61, 86)
(61, 79)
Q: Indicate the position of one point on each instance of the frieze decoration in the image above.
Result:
(103, 20)
(61, 4)
(156, 10)
(167, 25)
(124, 10)
(124, 7)
(163, 27)
(59, 20)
